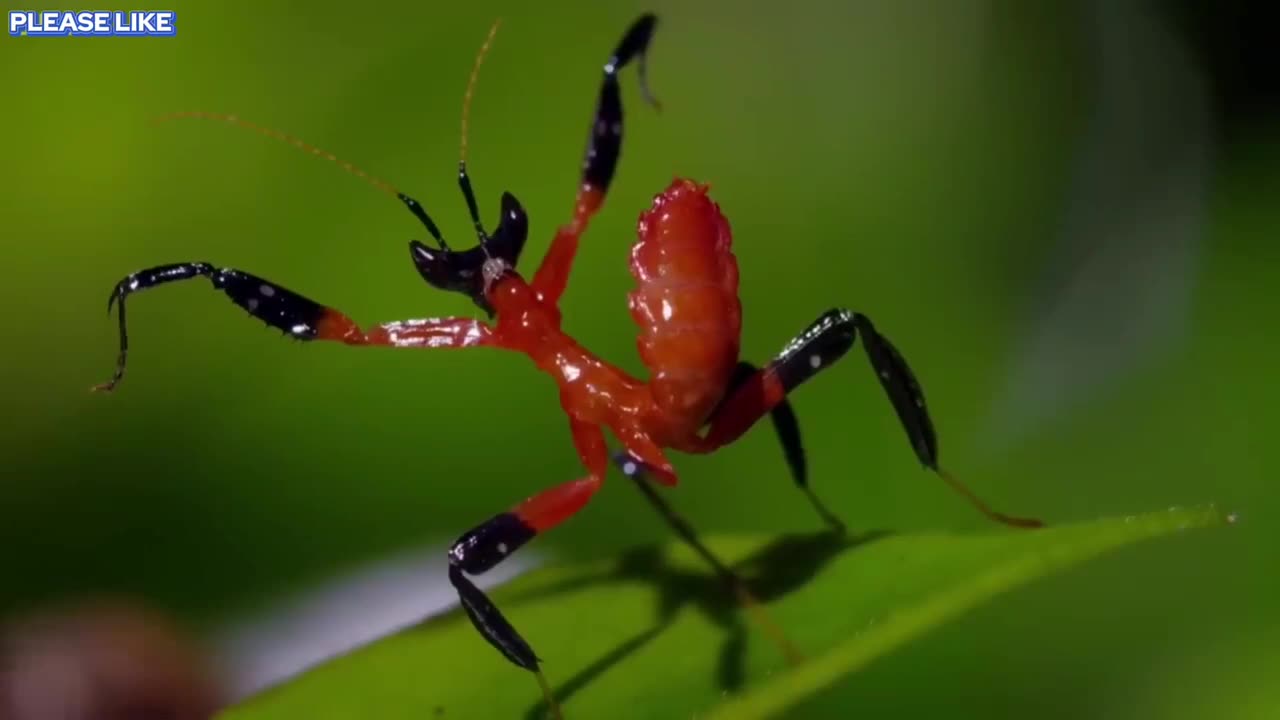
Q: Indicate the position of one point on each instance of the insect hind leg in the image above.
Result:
(824, 342)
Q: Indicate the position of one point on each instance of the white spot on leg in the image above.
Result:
(502, 548)
(815, 361)
(629, 468)
(252, 304)
(267, 291)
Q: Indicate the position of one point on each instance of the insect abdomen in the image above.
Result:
(686, 300)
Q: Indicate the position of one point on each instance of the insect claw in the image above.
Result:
(636, 43)
(645, 91)
(647, 94)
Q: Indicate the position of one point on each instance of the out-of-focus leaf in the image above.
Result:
(1116, 289)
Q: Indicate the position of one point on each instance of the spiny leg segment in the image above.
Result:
(604, 145)
(822, 344)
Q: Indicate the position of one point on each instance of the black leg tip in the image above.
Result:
(490, 623)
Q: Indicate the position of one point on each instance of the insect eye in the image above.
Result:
(460, 271)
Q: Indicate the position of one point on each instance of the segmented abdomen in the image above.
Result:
(686, 300)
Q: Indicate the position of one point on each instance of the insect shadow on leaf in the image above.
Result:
(779, 568)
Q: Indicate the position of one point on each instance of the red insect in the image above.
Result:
(700, 396)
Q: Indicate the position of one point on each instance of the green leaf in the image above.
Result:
(652, 634)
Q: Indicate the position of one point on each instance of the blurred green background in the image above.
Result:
(918, 162)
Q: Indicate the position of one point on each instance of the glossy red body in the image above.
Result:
(687, 307)
(686, 304)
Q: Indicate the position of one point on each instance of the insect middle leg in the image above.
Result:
(642, 459)
(494, 540)
(823, 343)
(787, 427)
(293, 314)
(603, 148)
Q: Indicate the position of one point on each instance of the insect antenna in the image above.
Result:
(471, 86)
(378, 183)
(464, 180)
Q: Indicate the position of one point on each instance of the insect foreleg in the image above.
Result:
(604, 145)
(296, 316)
